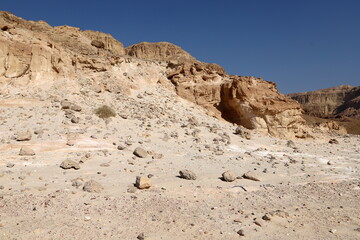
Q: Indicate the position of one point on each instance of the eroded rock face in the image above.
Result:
(158, 51)
(257, 104)
(34, 51)
(343, 101)
(248, 101)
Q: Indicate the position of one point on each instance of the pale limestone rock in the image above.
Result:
(252, 176)
(26, 151)
(228, 176)
(187, 174)
(140, 152)
(24, 136)
(93, 186)
(68, 164)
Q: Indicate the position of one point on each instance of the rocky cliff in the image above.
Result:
(35, 57)
(331, 102)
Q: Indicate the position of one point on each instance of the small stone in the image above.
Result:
(121, 147)
(150, 175)
(77, 182)
(92, 186)
(252, 176)
(65, 104)
(128, 142)
(26, 151)
(131, 189)
(39, 131)
(243, 132)
(157, 156)
(140, 152)
(241, 232)
(228, 176)
(290, 144)
(142, 182)
(266, 217)
(257, 223)
(141, 236)
(329, 163)
(333, 141)
(70, 143)
(75, 119)
(332, 230)
(87, 218)
(76, 108)
(24, 136)
(10, 165)
(187, 174)
(67, 164)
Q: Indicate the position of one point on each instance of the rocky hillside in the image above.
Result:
(102, 142)
(35, 56)
(331, 102)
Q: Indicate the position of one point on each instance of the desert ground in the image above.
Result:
(298, 189)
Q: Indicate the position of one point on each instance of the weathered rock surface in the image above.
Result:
(37, 51)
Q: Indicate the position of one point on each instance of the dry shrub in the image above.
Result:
(105, 112)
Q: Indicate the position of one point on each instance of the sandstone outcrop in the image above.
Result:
(330, 102)
(79, 61)
(36, 52)
(248, 101)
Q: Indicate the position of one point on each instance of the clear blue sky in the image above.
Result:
(301, 45)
